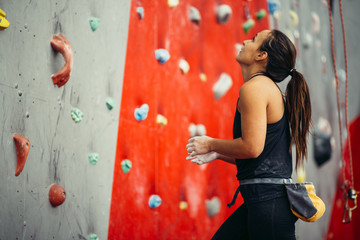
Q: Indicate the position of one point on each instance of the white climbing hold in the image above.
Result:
(316, 23)
(184, 66)
(194, 15)
(289, 34)
(223, 13)
(308, 41)
(221, 87)
(342, 75)
(197, 130)
(173, 3)
(192, 130)
(161, 120)
(294, 18)
(140, 12)
(201, 130)
(213, 206)
(162, 55)
(238, 47)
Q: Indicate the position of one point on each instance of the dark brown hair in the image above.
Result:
(281, 63)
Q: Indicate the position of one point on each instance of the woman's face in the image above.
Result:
(250, 48)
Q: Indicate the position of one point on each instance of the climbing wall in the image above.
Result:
(307, 24)
(162, 195)
(31, 105)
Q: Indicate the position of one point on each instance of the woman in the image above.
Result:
(261, 148)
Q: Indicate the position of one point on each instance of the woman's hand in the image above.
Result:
(198, 145)
(203, 158)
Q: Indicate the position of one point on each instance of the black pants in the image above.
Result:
(271, 219)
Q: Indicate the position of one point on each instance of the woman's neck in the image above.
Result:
(248, 72)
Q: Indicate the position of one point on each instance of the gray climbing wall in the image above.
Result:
(322, 87)
(32, 106)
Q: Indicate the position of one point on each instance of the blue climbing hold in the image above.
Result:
(274, 5)
(94, 23)
(162, 55)
(141, 112)
(154, 201)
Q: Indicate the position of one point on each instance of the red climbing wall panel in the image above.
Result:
(158, 152)
(337, 230)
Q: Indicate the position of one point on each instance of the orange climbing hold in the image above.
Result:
(61, 44)
(22, 150)
(57, 195)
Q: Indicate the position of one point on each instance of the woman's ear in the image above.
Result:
(261, 55)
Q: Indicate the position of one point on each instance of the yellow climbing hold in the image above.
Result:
(161, 120)
(3, 22)
(203, 77)
(294, 18)
(183, 205)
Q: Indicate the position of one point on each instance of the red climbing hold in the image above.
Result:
(22, 150)
(57, 195)
(62, 45)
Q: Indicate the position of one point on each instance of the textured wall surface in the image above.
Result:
(59, 146)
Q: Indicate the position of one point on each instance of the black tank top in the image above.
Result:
(275, 161)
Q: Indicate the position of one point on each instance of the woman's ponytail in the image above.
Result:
(298, 109)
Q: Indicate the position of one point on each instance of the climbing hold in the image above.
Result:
(307, 42)
(301, 174)
(203, 77)
(94, 23)
(316, 23)
(192, 130)
(126, 165)
(322, 147)
(200, 130)
(93, 236)
(162, 55)
(222, 85)
(183, 205)
(140, 12)
(184, 66)
(173, 3)
(248, 25)
(22, 145)
(93, 158)
(161, 120)
(61, 44)
(223, 13)
(154, 201)
(277, 15)
(141, 112)
(197, 130)
(76, 115)
(110, 103)
(57, 195)
(274, 5)
(289, 34)
(4, 23)
(260, 14)
(294, 18)
(194, 15)
(213, 206)
(342, 75)
(238, 47)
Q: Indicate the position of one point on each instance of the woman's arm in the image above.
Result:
(252, 104)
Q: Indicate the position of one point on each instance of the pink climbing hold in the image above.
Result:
(22, 150)
(57, 195)
(61, 44)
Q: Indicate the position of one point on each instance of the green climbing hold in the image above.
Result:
(110, 103)
(94, 23)
(93, 158)
(126, 165)
(93, 236)
(248, 25)
(76, 115)
(261, 14)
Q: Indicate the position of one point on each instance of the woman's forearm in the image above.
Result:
(226, 159)
(236, 148)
